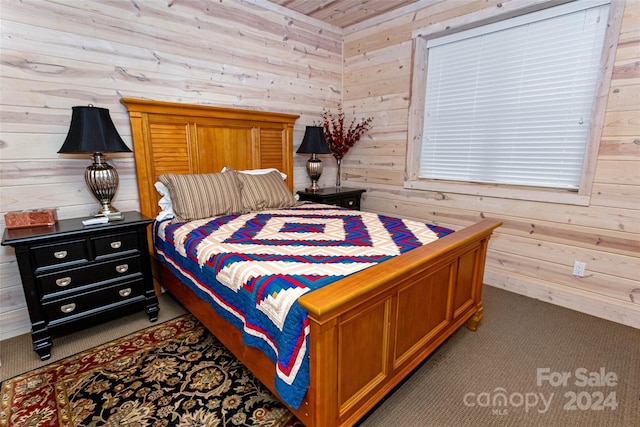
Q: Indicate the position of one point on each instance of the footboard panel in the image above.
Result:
(417, 323)
(371, 331)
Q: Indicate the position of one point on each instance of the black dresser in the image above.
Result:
(75, 276)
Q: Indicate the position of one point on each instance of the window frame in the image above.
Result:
(418, 90)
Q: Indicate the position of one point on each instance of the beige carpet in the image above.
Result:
(463, 383)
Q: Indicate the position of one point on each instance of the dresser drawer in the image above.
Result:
(59, 253)
(114, 244)
(332, 202)
(65, 280)
(74, 306)
(351, 202)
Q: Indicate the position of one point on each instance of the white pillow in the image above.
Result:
(257, 171)
(165, 203)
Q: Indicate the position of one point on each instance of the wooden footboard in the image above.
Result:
(371, 329)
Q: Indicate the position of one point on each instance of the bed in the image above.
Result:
(367, 331)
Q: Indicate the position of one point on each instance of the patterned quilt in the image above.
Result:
(252, 268)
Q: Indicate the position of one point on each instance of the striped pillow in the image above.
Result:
(264, 191)
(198, 196)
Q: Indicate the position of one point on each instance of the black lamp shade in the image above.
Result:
(313, 141)
(92, 131)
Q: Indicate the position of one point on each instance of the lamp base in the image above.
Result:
(107, 210)
(314, 170)
(314, 187)
(102, 180)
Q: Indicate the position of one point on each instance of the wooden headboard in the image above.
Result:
(171, 137)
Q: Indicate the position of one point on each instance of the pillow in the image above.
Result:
(198, 196)
(165, 202)
(256, 171)
(264, 191)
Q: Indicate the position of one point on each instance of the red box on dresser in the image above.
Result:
(30, 218)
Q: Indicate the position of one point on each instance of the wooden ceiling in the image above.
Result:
(343, 13)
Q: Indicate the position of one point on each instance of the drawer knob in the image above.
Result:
(68, 308)
(116, 244)
(350, 202)
(125, 292)
(63, 281)
(60, 254)
(122, 268)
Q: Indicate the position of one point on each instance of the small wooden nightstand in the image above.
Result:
(345, 197)
(75, 276)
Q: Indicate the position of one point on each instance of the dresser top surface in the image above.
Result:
(333, 191)
(71, 227)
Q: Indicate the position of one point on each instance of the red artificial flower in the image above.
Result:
(339, 139)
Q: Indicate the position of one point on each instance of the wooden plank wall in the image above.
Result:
(56, 54)
(534, 252)
(60, 53)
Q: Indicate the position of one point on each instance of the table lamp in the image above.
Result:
(314, 143)
(93, 131)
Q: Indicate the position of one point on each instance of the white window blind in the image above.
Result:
(511, 102)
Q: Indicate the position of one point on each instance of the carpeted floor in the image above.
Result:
(529, 364)
(464, 381)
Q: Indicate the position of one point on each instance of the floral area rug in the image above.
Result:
(173, 374)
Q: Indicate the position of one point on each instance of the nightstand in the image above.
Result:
(76, 276)
(345, 197)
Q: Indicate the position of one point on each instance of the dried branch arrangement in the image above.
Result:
(339, 138)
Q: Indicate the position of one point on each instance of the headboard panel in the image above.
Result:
(171, 137)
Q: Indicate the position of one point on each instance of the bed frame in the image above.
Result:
(369, 330)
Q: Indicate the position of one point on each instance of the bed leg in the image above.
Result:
(473, 323)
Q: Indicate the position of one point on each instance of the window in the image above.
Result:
(511, 102)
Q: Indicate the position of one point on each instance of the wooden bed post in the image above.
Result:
(323, 339)
(473, 323)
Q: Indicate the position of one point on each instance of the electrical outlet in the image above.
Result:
(579, 268)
